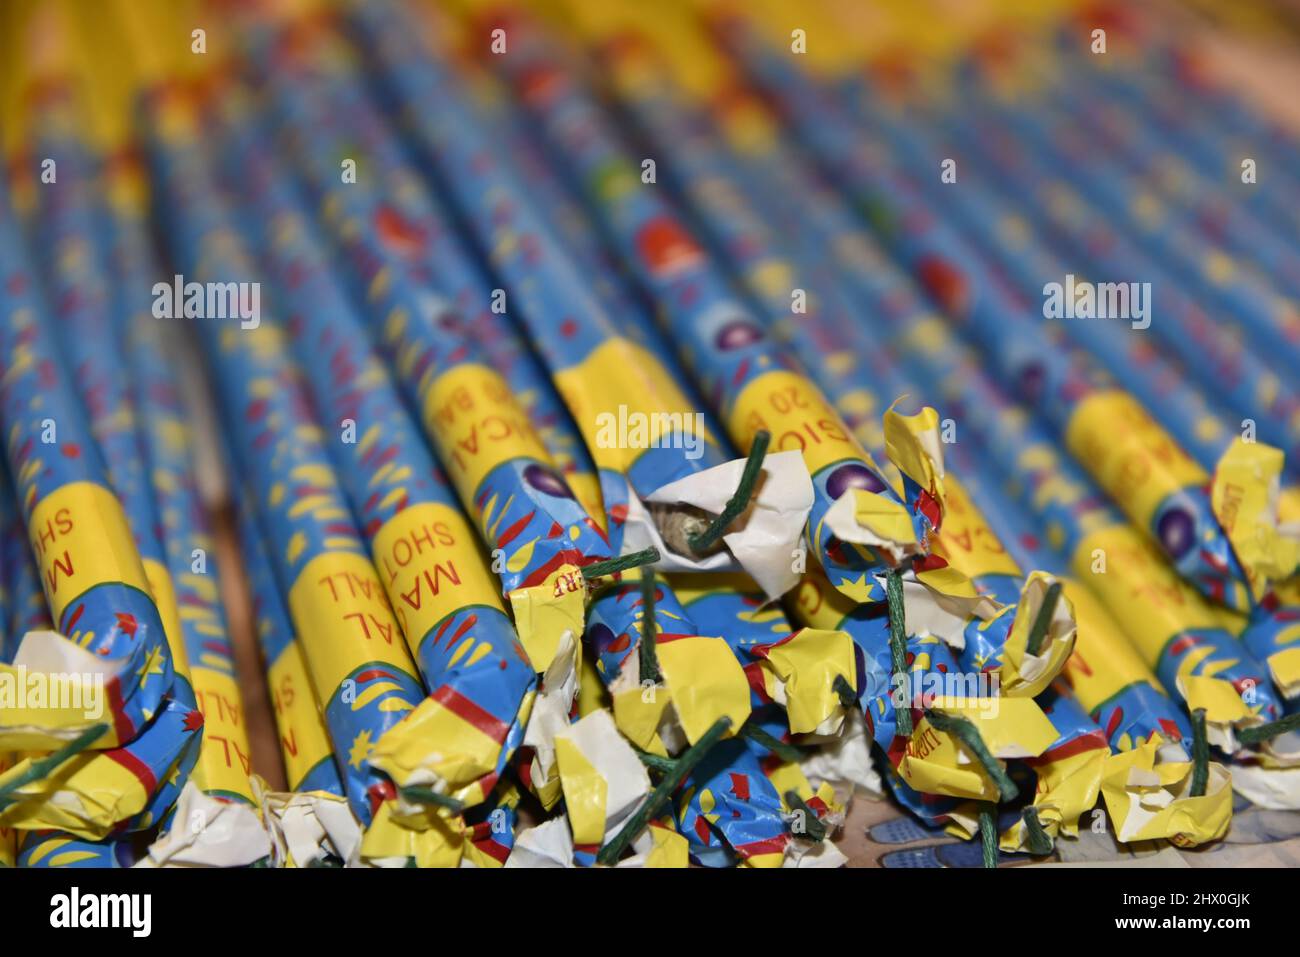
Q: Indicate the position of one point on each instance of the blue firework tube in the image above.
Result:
(834, 249)
(430, 560)
(1187, 161)
(749, 381)
(483, 437)
(598, 369)
(1105, 428)
(1247, 383)
(99, 596)
(1106, 675)
(745, 225)
(557, 205)
(1179, 197)
(462, 278)
(71, 222)
(224, 761)
(1140, 143)
(303, 738)
(364, 674)
(559, 208)
(1155, 380)
(1214, 138)
(131, 785)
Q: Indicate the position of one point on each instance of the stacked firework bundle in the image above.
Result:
(564, 384)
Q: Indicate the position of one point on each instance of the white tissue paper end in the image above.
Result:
(206, 832)
(763, 542)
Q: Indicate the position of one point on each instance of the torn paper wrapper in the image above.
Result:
(1226, 712)
(844, 760)
(809, 854)
(207, 832)
(937, 762)
(434, 747)
(543, 613)
(763, 541)
(1148, 797)
(550, 717)
(56, 662)
(702, 682)
(603, 779)
(799, 673)
(550, 844)
(306, 827)
(1275, 789)
(1244, 495)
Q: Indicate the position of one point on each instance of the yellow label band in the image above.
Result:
(81, 539)
(1129, 453)
(164, 596)
(797, 415)
(966, 542)
(304, 742)
(431, 565)
(819, 604)
(478, 424)
(1104, 662)
(224, 762)
(1147, 597)
(340, 610)
(586, 489)
(621, 382)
